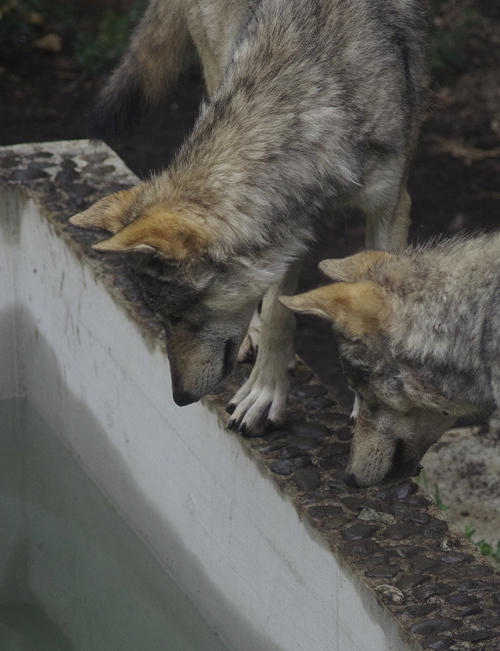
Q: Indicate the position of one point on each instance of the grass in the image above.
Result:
(485, 548)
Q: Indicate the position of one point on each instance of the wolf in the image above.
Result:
(419, 336)
(312, 104)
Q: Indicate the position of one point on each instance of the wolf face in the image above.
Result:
(402, 408)
(204, 306)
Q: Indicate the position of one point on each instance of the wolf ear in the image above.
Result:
(176, 235)
(109, 213)
(354, 267)
(356, 309)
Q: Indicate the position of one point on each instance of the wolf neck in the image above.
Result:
(263, 167)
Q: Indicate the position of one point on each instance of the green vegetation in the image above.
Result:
(96, 51)
(448, 41)
(483, 547)
(20, 21)
(95, 42)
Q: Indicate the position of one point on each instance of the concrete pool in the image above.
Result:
(262, 535)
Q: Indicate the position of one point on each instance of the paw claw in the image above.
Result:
(269, 426)
(230, 408)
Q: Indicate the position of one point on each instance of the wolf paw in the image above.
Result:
(250, 346)
(260, 404)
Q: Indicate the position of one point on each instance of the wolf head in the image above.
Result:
(400, 413)
(203, 296)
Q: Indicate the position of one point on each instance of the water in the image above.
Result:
(73, 575)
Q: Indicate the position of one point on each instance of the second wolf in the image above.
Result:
(313, 104)
(419, 336)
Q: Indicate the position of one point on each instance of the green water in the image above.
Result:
(73, 575)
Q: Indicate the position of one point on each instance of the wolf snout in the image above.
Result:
(183, 398)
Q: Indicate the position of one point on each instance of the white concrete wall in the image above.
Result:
(263, 578)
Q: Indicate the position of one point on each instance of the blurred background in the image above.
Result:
(55, 55)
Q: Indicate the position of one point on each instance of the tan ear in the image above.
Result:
(354, 267)
(175, 234)
(109, 213)
(357, 309)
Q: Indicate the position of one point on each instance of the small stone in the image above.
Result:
(468, 570)
(339, 486)
(477, 585)
(390, 594)
(270, 447)
(408, 551)
(430, 589)
(319, 404)
(291, 452)
(383, 571)
(310, 430)
(339, 421)
(401, 531)
(454, 558)
(30, 174)
(335, 522)
(420, 610)
(462, 599)
(490, 622)
(471, 610)
(370, 515)
(411, 581)
(278, 435)
(435, 529)
(477, 636)
(67, 173)
(288, 466)
(307, 479)
(329, 463)
(334, 449)
(438, 642)
(422, 563)
(302, 443)
(359, 531)
(434, 626)
(400, 491)
(408, 514)
(362, 547)
(420, 501)
(326, 511)
(344, 433)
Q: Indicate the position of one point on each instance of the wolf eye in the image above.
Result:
(175, 318)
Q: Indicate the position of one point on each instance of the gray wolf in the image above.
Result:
(312, 104)
(419, 343)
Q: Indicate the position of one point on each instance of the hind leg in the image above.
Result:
(387, 224)
(261, 402)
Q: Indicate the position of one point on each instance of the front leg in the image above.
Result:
(267, 388)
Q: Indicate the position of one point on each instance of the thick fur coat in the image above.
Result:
(312, 103)
(419, 340)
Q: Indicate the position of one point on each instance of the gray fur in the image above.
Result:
(435, 357)
(313, 103)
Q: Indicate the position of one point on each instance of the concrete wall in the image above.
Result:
(266, 570)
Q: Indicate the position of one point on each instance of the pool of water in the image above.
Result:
(73, 575)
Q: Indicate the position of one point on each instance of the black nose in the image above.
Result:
(183, 398)
(350, 480)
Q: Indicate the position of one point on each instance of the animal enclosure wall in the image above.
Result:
(262, 534)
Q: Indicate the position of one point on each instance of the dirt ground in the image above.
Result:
(455, 178)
